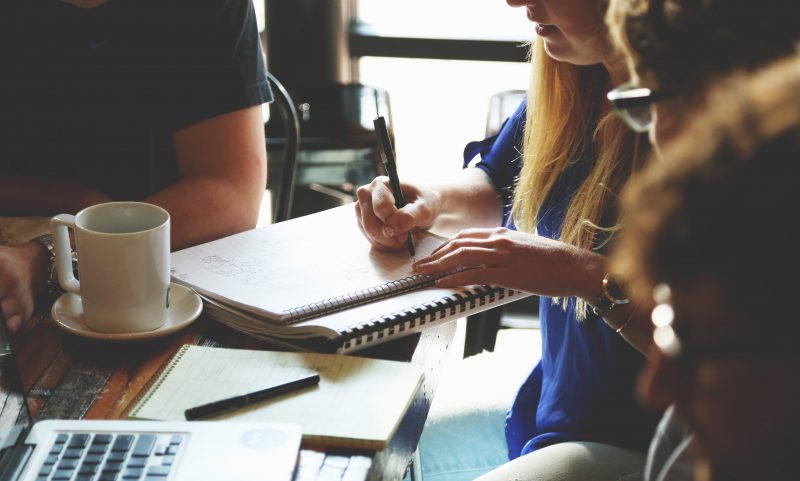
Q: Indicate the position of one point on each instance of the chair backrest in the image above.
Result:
(501, 106)
(283, 202)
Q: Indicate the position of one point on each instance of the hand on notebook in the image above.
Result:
(23, 272)
(516, 260)
(386, 226)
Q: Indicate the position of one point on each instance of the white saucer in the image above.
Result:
(185, 307)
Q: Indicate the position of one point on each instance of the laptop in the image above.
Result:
(128, 450)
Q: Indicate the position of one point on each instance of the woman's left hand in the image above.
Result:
(515, 260)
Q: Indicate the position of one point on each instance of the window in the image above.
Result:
(440, 105)
(260, 8)
(476, 19)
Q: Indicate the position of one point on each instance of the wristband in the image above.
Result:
(53, 288)
(613, 295)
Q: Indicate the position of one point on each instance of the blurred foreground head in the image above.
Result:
(711, 235)
(680, 48)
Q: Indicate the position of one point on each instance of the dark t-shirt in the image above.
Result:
(94, 96)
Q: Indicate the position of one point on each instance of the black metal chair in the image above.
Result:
(282, 205)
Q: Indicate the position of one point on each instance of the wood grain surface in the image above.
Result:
(68, 377)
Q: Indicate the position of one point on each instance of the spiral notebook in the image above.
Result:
(358, 403)
(317, 278)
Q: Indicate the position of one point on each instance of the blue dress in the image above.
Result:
(583, 387)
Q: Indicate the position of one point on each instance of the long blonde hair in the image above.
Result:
(563, 121)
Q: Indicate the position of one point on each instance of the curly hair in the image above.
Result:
(723, 207)
(684, 45)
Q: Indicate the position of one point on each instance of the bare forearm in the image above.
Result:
(30, 196)
(467, 199)
(638, 331)
(206, 208)
(222, 162)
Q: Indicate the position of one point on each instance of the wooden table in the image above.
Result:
(68, 377)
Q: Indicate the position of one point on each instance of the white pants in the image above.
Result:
(572, 461)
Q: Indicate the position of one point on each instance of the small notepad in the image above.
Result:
(358, 403)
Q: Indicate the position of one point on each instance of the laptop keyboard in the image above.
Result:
(319, 466)
(110, 457)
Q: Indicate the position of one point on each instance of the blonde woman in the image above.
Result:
(575, 416)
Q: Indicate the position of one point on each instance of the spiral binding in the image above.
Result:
(364, 296)
(420, 315)
(155, 382)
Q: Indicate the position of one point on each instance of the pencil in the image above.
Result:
(237, 402)
(390, 165)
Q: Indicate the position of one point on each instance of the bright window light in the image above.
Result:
(444, 18)
(438, 106)
(259, 8)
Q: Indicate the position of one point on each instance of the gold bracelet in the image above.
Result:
(619, 329)
(624, 325)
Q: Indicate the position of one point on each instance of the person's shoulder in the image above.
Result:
(207, 9)
(205, 21)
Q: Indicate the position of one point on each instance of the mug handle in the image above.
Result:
(59, 226)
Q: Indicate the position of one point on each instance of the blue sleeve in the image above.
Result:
(501, 157)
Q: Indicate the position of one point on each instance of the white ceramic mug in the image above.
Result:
(123, 264)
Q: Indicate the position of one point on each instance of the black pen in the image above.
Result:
(390, 165)
(237, 402)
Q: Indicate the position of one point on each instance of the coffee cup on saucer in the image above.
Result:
(123, 264)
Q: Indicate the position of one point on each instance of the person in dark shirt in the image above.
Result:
(148, 100)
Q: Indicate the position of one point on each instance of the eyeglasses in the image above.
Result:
(669, 341)
(632, 105)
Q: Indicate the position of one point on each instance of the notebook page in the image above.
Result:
(358, 402)
(199, 375)
(283, 266)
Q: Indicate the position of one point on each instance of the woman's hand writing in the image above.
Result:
(386, 226)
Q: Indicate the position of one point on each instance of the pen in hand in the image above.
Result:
(236, 402)
(390, 165)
